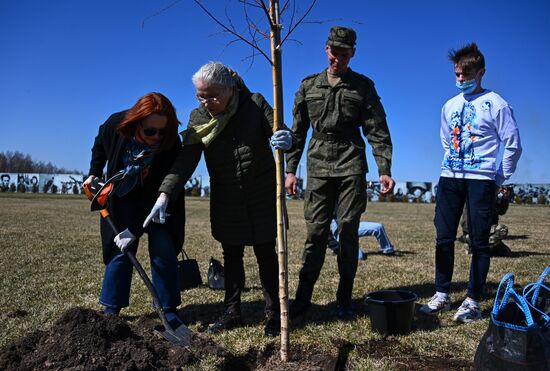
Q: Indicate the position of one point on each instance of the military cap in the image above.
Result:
(342, 37)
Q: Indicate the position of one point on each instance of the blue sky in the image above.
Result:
(65, 66)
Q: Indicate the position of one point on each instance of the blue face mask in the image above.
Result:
(467, 87)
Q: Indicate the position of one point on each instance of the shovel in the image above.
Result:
(98, 194)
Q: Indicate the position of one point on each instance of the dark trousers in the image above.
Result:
(479, 196)
(268, 268)
(346, 198)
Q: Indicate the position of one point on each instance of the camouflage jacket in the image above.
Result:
(340, 111)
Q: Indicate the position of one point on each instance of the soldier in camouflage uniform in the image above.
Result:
(338, 103)
(498, 230)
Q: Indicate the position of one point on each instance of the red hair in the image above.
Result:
(145, 106)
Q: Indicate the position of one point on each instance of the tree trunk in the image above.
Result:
(282, 251)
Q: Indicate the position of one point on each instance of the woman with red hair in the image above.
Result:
(140, 145)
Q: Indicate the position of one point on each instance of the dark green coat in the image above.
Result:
(242, 173)
(346, 109)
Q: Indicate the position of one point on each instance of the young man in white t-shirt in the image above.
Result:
(475, 125)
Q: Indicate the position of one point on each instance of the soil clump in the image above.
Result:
(84, 339)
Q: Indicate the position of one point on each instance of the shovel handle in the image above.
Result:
(183, 336)
(156, 301)
(136, 264)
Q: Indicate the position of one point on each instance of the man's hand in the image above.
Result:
(290, 184)
(281, 139)
(387, 184)
(505, 190)
(158, 212)
(124, 239)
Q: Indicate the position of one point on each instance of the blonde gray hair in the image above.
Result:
(214, 73)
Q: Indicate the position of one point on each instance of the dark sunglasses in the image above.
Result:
(151, 132)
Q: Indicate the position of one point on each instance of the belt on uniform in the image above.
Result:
(332, 137)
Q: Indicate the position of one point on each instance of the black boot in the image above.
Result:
(302, 302)
(272, 324)
(227, 321)
(345, 311)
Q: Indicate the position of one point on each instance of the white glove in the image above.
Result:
(158, 212)
(124, 239)
(89, 180)
(281, 139)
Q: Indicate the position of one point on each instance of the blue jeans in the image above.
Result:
(377, 230)
(115, 292)
(452, 194)
(367, 229)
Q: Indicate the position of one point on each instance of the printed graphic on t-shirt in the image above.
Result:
(464, 133)
(487, 105)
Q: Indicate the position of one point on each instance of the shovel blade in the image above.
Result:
(181, 335)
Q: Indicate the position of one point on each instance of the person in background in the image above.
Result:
(365, 229)
(233, 128)
(142, 143)
(498, 231)
(475, 125)
(338, 104)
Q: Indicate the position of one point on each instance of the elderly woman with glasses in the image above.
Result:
(233, 127)
(139, 146)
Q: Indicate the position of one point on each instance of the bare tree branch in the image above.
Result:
(285, 6)
(296, 41)
(252, 59)
(159, 12)
(292, 16)
(298, 23)
(266, 11)
(229, 20)
(226, 46)
(252, 26)
(249, 3)
(233, 32)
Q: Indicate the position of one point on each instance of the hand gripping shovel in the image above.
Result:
(98, 193)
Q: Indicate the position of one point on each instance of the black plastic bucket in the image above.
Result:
(391, 311)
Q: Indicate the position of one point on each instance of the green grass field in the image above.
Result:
(50, 261)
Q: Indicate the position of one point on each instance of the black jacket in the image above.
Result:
(131, 210)
(242, 173)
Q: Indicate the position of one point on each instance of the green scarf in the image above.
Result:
(208, 131)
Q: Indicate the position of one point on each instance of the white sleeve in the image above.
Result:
(444, 131)
(508, 134)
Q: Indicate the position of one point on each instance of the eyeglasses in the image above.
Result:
(151, 132)
(203, 100)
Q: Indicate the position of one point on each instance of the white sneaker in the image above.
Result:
(467, 312)
(436, 305)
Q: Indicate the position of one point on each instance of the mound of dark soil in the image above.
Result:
(86, 339)
(83, 339)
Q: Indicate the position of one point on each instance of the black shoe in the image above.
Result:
(345, 312)
(173, 319)
(111, 311)
(272, 325)
(227, 321)
(298, 308)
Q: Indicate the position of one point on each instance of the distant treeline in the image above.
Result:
(17, 162)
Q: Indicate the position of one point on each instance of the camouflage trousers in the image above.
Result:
(342, 198)
(498, 233)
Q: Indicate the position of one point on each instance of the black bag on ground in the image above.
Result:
(189, 273)
(216, 279)
(518, 337)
